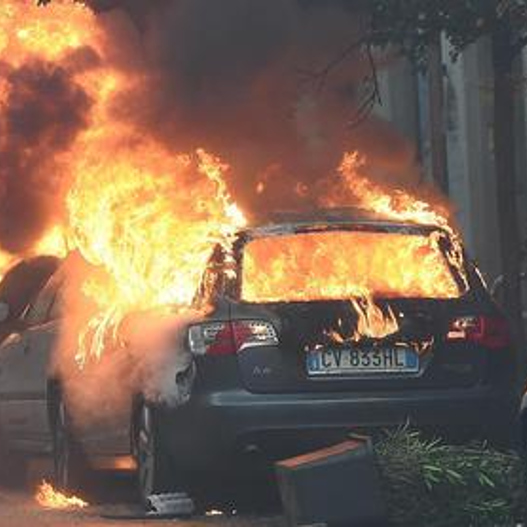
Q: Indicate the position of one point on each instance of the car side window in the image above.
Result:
(38, 309)
(46, 305)
(56, 310)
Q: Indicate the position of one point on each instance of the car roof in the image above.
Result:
(330, 219)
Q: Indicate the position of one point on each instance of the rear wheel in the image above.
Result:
(71, 469)
(155, 474)
(522, 435)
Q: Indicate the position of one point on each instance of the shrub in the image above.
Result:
(429, 483)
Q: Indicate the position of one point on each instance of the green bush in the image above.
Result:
(431, 484)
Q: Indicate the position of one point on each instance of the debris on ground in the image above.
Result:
(177, 504)
(335, 485)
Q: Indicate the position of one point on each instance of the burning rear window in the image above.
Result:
(343, 264)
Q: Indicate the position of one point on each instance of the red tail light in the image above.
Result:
(491, 332)
(228, 338)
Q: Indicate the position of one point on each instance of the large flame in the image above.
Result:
(146, 218)
(150, 220)
(355, 188)
(30, 33)
(400, 205)
(50, 498)
(359, 265)
(342, 264)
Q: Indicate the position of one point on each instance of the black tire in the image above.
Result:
(71, 469)
(155, 471)
(522, 435)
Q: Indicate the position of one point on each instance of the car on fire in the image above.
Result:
(316, 326)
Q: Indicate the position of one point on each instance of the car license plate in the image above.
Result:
(346, 361)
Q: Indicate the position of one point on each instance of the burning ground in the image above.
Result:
(135, 144)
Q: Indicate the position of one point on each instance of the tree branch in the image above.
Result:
(373, 98)
(319, 78)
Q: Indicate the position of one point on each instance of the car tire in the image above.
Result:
(522, 435)
(155, 474)
(70, 466)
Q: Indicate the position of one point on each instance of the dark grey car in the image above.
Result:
(271, 381)
(275, 369)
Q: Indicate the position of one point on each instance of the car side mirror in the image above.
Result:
(5, 311)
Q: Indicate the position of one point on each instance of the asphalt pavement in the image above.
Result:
(19, 508)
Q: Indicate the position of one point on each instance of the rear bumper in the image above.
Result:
(216, 426)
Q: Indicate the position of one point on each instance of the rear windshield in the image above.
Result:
(342, 264)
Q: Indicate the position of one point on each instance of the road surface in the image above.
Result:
(18, 508)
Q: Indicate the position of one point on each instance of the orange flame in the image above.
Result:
(399, 205)
(29, 32)
(373, 322)
(54, 242)
(150, 220)
(49, 498)
(355, 188)
(358, 265)
(343, 264)
(145, 217)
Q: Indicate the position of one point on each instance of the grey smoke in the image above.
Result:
(231, 76)
(44, 111)
(234, 77)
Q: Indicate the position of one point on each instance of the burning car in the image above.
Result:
(326, 325)
(313, 326)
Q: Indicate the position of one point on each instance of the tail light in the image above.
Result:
(228, 338)
(492, 332)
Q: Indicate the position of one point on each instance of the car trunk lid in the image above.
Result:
(308, 357)
(355, 307)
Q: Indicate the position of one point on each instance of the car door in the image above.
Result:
(25, 358)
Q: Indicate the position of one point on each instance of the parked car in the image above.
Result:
(19, 286)
(277, 367)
